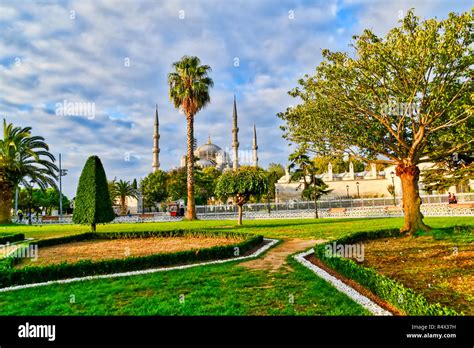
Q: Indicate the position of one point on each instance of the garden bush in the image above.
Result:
(11, 237)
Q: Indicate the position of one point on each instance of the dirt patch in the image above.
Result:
(121, 248)
(275, 258)
(440, 270)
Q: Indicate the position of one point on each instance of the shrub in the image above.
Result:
(11, 238)
(93, 204)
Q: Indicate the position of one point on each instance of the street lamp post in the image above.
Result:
(392, 174)
(62, 172)
(30, 202)
(16, 201)
(347, 188)
(358, 193)
(277, 198)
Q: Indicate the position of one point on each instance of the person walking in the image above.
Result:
(20, 215)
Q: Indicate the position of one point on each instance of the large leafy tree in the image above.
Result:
(154, 188)
(176, 184)
(305, 170)
(92, 204)
(189, 91)
(123, 189)
(274, 173)
(206, 181)
(402, 99)
(242, 184)
(41, 200)
(457, 171)
(24, 159)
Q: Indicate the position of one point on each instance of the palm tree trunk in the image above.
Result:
(191, 210)
(123, 205)
(6, 195)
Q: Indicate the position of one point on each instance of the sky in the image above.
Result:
(111, 59)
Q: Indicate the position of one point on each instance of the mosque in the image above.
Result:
(209, 154)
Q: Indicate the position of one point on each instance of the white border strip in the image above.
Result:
(267, 246)
(342, 287)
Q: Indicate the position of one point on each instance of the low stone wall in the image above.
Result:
(363, 212)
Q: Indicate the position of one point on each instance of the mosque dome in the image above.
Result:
(204, 163)
(207, 151)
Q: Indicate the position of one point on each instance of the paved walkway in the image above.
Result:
(275, 258)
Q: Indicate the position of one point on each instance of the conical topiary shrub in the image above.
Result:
(92, 204)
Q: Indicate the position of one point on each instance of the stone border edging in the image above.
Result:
(267, 246)
(341, 286)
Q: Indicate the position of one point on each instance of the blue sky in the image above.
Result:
(78, 51)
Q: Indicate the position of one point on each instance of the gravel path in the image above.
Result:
(275, 258)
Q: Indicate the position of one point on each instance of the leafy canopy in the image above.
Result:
(154, 188)
(242, 183)
(25, 158)
(189, 85)
(402, 99)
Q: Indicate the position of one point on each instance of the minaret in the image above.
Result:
(254, 147)
(156, 143)
(235, 138)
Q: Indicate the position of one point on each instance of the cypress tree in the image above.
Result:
(93, 204)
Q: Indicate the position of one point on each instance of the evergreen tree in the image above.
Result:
(93, 204)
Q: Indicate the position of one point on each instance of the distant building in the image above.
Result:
(371, 183)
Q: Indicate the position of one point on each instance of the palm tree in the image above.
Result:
(26, 160)
(189, 91)
(123, 189)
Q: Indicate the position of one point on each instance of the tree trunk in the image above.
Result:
(191, 209)
(93, 227)
(6, 195)
(409, 176)
(123, 205)
(239, 221)
(316, 209)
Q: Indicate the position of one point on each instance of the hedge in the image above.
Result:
(405, 299)
(10, 276)
(11, 237)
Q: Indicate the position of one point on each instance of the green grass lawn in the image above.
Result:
(285, 228)
(227, 289)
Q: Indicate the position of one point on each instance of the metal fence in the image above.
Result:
(327, 204)
(435, 205)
